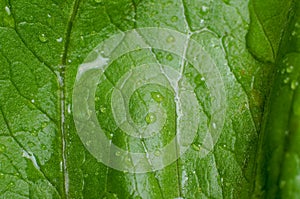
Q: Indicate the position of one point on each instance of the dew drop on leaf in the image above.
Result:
(7, 10)
(150, 118)
(290, 69)
(286, 80)
(169, 57)
(174, 19)
(195, 147)
(294, 84)
(44, 147)
(11, 184)
(2, 148)
(43, 38)
(157, 97)
(170, 39)
(59, 40)
(102, 109)
(157, 153)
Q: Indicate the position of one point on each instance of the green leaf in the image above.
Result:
(278, 156)
(43, 44)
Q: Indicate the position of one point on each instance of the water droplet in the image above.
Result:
(44, 147)
(97, 173)
(286, 80)
(2, 148)
(170, 39)
(169, 57)
(59, 40)
(204, 8)
(110, 136)
(11, 184)
(174, 19)
(1, 175)
(34, 133)
(157, 97)
(69, 60)
(294, 33)
(199, 79)
(43, 38)
(98, 1)
(290, 69)
(44, 124)
(196, 147)
(69, 108)
(294, 84)
(7, 10)
(48, 15)
(102, 109)
(214, 125)
(157, 153)
(150, 118)
(31, 144)
(118, 153)
(32, 101)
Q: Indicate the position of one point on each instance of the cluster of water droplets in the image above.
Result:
(287, 71)
(188, 110)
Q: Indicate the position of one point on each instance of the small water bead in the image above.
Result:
(59, 40)
(150, 118)
(157, 96)
(44, 147)
(170, 39)
(169, 57)
(11, 185)
(214, 125)
(204, 8)
(290, 69)
(110, 136)
(286, 80)
(196, 147)
(2, 148)
(43, 38)
(174, 19)
(294, 84)
(157, 153)
(102, 109)
(7, 10)
(98, 1)
(118, 153)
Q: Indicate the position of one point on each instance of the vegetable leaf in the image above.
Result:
(43, 45)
